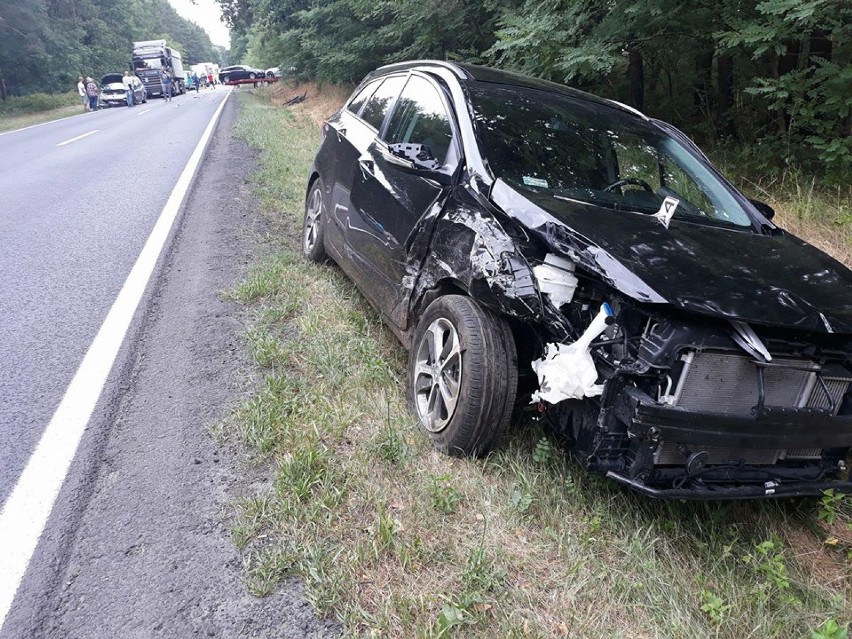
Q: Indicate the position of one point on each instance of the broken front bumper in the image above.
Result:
(768, 490)
(772, 452)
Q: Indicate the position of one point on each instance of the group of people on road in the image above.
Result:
(88, 90)
(205, 79)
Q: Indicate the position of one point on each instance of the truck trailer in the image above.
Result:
(150, 59)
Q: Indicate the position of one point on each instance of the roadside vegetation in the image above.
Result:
(393, 539)
(19, 112)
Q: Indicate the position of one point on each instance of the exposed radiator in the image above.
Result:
(669, 454)
(727, 384)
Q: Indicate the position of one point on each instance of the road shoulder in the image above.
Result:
(152, 554)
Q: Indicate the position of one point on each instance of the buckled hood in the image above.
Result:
(712, 270)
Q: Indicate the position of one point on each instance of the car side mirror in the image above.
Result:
(418, 160)
(765, 210)
(420, 154)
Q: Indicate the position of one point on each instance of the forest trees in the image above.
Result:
(774, 71)
(46, 44)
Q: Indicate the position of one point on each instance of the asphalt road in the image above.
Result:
(73, 219)
(137, 544)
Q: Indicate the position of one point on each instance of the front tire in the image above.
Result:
(313, 231)
(462, 376)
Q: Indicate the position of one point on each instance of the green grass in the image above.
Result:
(393, 539)
(20, 112)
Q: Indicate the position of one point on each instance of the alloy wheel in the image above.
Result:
(438, 375)
(312, 220)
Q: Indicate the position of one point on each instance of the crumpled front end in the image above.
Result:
(688, 410)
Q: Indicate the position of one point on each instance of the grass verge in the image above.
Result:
(20, 112)
(395, 540)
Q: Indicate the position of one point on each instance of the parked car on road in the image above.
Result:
(535, 244)
(113, 91)
(240, 73)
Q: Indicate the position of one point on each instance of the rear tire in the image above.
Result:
(462, 376)
(313, 227)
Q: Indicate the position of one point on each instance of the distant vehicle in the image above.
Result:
(273, 73)
(203, 69)
(240, 73)
(150, 58)
(113, 92)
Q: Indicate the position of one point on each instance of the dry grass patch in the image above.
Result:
(395, 540)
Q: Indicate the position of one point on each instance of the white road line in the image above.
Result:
(25, 513)
(79, 137)
(144, 112)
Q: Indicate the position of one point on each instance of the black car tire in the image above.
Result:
(484, 366)
(251, 76)
(313, 229)
(224, 79)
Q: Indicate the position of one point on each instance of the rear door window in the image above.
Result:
(380, 102)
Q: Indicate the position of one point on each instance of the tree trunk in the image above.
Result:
(725, 78)
(703, 82)
(636, 77)
(787, 62)
(820, 46)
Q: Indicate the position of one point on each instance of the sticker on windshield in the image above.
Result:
(667, 210)
(531, 181)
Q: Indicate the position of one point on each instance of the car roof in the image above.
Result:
(467, 73)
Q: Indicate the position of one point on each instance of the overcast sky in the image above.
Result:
(206, 14)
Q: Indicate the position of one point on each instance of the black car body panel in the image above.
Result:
(724, 367)
(238, 74)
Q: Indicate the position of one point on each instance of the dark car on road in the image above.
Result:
(113, 91)
(240, 73)
(538, 246)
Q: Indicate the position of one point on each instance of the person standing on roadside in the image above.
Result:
(167, 85)
(92, 92)
(210, 81)
(81, 89)
(195, 81)
(127, 80)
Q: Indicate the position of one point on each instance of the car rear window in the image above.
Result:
(378, 105)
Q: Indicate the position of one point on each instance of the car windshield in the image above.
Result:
(577, 150)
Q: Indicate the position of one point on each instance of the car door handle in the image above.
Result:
(367, 166)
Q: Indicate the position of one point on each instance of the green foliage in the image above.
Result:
(45, 45)
(443, 496)
(543, 451)
(830, 630)
(828, 505)
(713, 606)
(773, 74)
(35, 102)
(768, 561)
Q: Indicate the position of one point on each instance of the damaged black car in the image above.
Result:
(533, 245)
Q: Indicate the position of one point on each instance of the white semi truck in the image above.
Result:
(150, 59)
